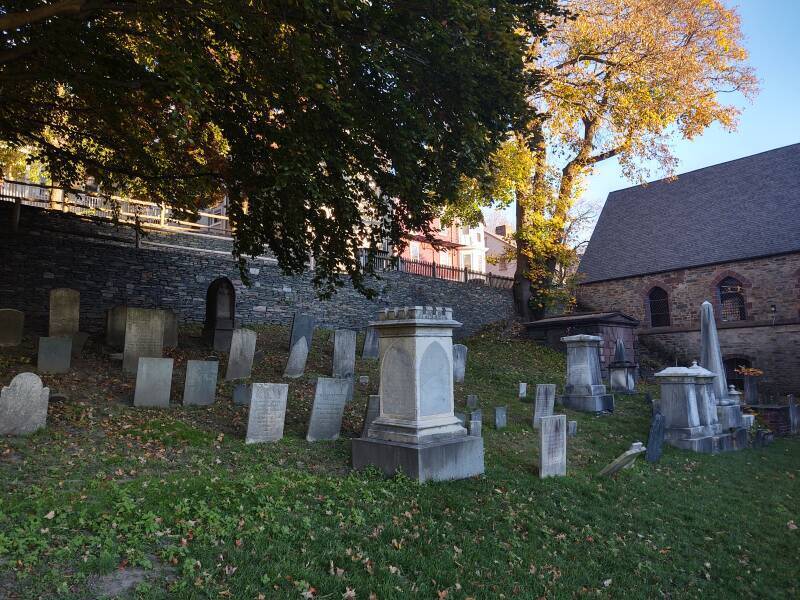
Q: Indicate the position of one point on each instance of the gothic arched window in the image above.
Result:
(658, 306)
(731, 299)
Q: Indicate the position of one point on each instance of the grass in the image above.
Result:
(172, 503)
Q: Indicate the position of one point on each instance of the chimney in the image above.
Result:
(500, 230)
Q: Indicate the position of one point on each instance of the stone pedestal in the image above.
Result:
(729, 411)
(416, 430)
(585, 390)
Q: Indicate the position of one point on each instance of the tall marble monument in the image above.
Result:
(416, 431)
(729, 408)
(585, 390)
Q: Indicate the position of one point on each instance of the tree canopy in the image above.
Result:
(328, 125)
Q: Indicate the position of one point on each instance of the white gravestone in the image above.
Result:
(12, 323)
(153, 382)
(344, 353)
(55, 354)
(240, 359)
(545, 400)
(23, 405)
(326, 413)
(267, 412)
(144, 337)
(500, 417)
(523, 391)
(65, 306)
(553, 446)
(201, 382)
(624, 460)
(459, 362)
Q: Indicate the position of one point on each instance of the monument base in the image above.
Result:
(456, 458)
(730, 416)
(713, 444)
(596, 404)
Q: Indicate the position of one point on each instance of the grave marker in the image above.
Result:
(116, 319)
(23, 405)
(55, 354)
(200, 388)
(553, 446)
(523, 391)
(572, 428)
(370, 349)
(373, 410)
(153, 382)
(267, 412)
(242, 394)
(344, 353)
(170, 328)
(472, 401)
(299, 345)
(144, 336)
(12, 323)
(459, 362)
(65, 305)
(326, 412)
(624, 460)
(240, 358)
(655, 440)
(500, 417)
(78, 343)
(545, 400)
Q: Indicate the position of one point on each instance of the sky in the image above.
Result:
(771, 29)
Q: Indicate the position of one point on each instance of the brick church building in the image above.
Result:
(729, 234)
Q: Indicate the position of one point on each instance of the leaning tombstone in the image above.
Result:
(553, 446)
(370, 349)
(624, 460)
(545, 400)
(242, 394)
(267, 412)
(220, 321)
(78, 343)
(500, 417)
(655, 439)
(12, 323)
(23, 405)
(170, 328)
(302, 327)
(523, 391)
(65, 305)
(326, 413)
(55, 354)
(153, 382)
(200, 388)
(299, 345)
(116, 318)
(459, 362)
(344, 353)
(144, 337)
(240, 358)
(472, 401)
(373, 410)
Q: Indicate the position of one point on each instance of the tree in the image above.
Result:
(328, 125)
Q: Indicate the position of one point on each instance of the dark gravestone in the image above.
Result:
(472, 401)
(12, 323)
(326, 413)
(220, 314)
(299, 344)
(655, 441)
(200, 387)
(55, 354)
(302, 326)
(371, 347)
(373, 410)
(115, 326)
(242, 394)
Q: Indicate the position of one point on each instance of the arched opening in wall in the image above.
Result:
(658, 307)
(731, 364)
(731, 300)
(220, 314)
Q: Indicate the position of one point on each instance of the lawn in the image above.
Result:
(150, 503)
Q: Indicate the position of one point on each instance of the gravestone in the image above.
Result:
(302, 327)
(474, 427)
(344, 353)
(200, 388)
(65, 306)
(624, 460)
(12, 323)
(55, 354)
(370, 349)
(523, 391)
(748, 421)
(621, 371)
(242, 394)
(553, 446)
(545, 400)
(500, 417)
(476, 415)
(153, 382)
(23, 405)
(373, 410)
(363, 380)
(655, 439)
(326, 413)
(240, 358)
(572, 428)
(472, 401)
(144, 336)
(267, 412)
(116, 319)
(459, 362)
(220, 321)
(584, 389)
(299, 345)
(78, 343)
(170, 328)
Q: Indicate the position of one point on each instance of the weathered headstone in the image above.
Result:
(12, 323)
(144, 336)
(267, 412)
(65, 306)
(344, 353)
(55, 354)
(153, 382)
(655, 439)
(474, 427)
(523, 391)
(500, 417)
(584, 389)
(621, 371)
(326, 412)
(553, 446)
(370, 349)
(545, 401)
(242, 394)
(572, 428)
(201, 382)
(299, 345)
(472, 401)
(170, 328)
(116, 318)
(373, 410)
(624, 460)
(220, 320)
(78, 343)
(23, 405)
(459, 362)
(476, 415)
(302, 327)
(240, 358)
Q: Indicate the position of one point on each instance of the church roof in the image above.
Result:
(744, 208)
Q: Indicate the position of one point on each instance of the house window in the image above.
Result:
(414, 251)
(467, 261)
(444, 258)
(731, 299)
(658, 305)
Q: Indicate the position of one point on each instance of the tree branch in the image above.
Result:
(16, 20)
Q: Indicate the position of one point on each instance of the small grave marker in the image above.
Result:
(545, 400)
(472, 401)
(200, 388)
(55, 354)
(242, 394)
(655, 440)
(371, 347)
(500, 417)
(12, 323)
(23, 405)
(326, 413)
(523, 391)
(240, 358)
(153, 382)
(553, 446)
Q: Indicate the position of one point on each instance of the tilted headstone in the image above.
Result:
(65, 306)
(220, 321)
(545, 401)
(170, 328)
(655, 439)
(200, 388)
(472, 401)
(624, 460)
(240, 358)
(373, 410)
(370, 349)
(459, 362)
(153, 382)
(12, 323)
(267, 412)
(326, 413)
(500, 417)
(242, 394)
(78, 343)
(344, 353)
(144, 336)
(116, 318)
(523, 391)
(55, 354)
(299, 345)
(572, 428)
(302, 327)
(23, 405)
(553, 446)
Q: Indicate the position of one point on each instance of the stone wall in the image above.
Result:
(772, 345)
(56, 250)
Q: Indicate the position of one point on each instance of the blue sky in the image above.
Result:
(772, 32)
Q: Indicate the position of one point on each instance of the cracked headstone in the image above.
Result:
(23, 405)
(624, 460)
